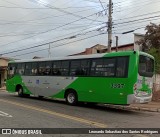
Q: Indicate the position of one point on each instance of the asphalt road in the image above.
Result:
(32, 112)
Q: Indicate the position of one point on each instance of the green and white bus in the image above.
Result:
(114, 78)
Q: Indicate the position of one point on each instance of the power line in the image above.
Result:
(61, 10)
(80, 31)
(30, 22)
(139, 22)
(94, 1)
(25, 8)
(138, 15)
(133, 7)
(70, 37)
(101, 5)
(33, 46)
(130, 28)
(49, 30)
(29, 8)
(136, 20)
(61, 44)
(137, 8)
(126, 3)
(31, 33)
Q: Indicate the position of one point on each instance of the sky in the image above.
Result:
(29, 27)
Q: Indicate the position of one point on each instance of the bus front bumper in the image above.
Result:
(132, 99)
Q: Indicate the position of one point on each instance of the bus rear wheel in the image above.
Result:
(71, 98)
(20, 92)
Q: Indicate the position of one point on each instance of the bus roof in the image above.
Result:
(112, 54)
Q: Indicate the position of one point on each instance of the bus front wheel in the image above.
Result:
(20, 92)
(71, 98)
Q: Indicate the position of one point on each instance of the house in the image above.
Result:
(102, 49)
(3, 70)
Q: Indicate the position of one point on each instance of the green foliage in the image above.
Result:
(155, 52)
(151, 43)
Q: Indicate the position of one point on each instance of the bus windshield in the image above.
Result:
(146, 66)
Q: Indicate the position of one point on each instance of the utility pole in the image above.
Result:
(116, 43)
(110, 26)
(49, 51)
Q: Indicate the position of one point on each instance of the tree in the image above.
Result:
(151, 43)
(154, 52)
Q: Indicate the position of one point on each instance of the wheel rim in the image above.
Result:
(20, 92)
(71, 98)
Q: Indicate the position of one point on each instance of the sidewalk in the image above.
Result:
(3, 89)
(153, 106)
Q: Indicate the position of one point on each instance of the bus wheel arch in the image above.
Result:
(71, 97)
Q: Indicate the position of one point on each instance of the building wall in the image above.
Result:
(3, 62)
(124, 48)
(136, 38)
(157, 80)
(3, 71)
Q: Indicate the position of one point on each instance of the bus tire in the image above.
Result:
(71, 98)
(20, 92)
(40, 97)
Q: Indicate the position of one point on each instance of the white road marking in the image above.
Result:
(3, 114)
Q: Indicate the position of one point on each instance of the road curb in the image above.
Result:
(3, 90)
(133, 108)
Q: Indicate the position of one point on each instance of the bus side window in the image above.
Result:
(56, 68)
(41, 68)
(75, 68)
(65, 68)
(97, 67)
(103, 67)
(11, 70)
(34, 68)
(121, 70)
(28, 69)
(85, 64)
(20, 68)
(48, 68)
(109, 67)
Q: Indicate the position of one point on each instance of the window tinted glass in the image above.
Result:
(34, 70)
(48, 68)
(64, 70)
(146, 66)
(122, 67)
(75, 67)
(41, 68)
(109, 63)
(28, 68)
(85, 67)
(103, 67)
(56, 68)
(79, 67)
(11, 70)
(20, 68)
(31, 68)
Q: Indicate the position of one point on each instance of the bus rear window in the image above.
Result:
(146, 66)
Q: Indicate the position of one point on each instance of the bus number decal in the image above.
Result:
(117, 85)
